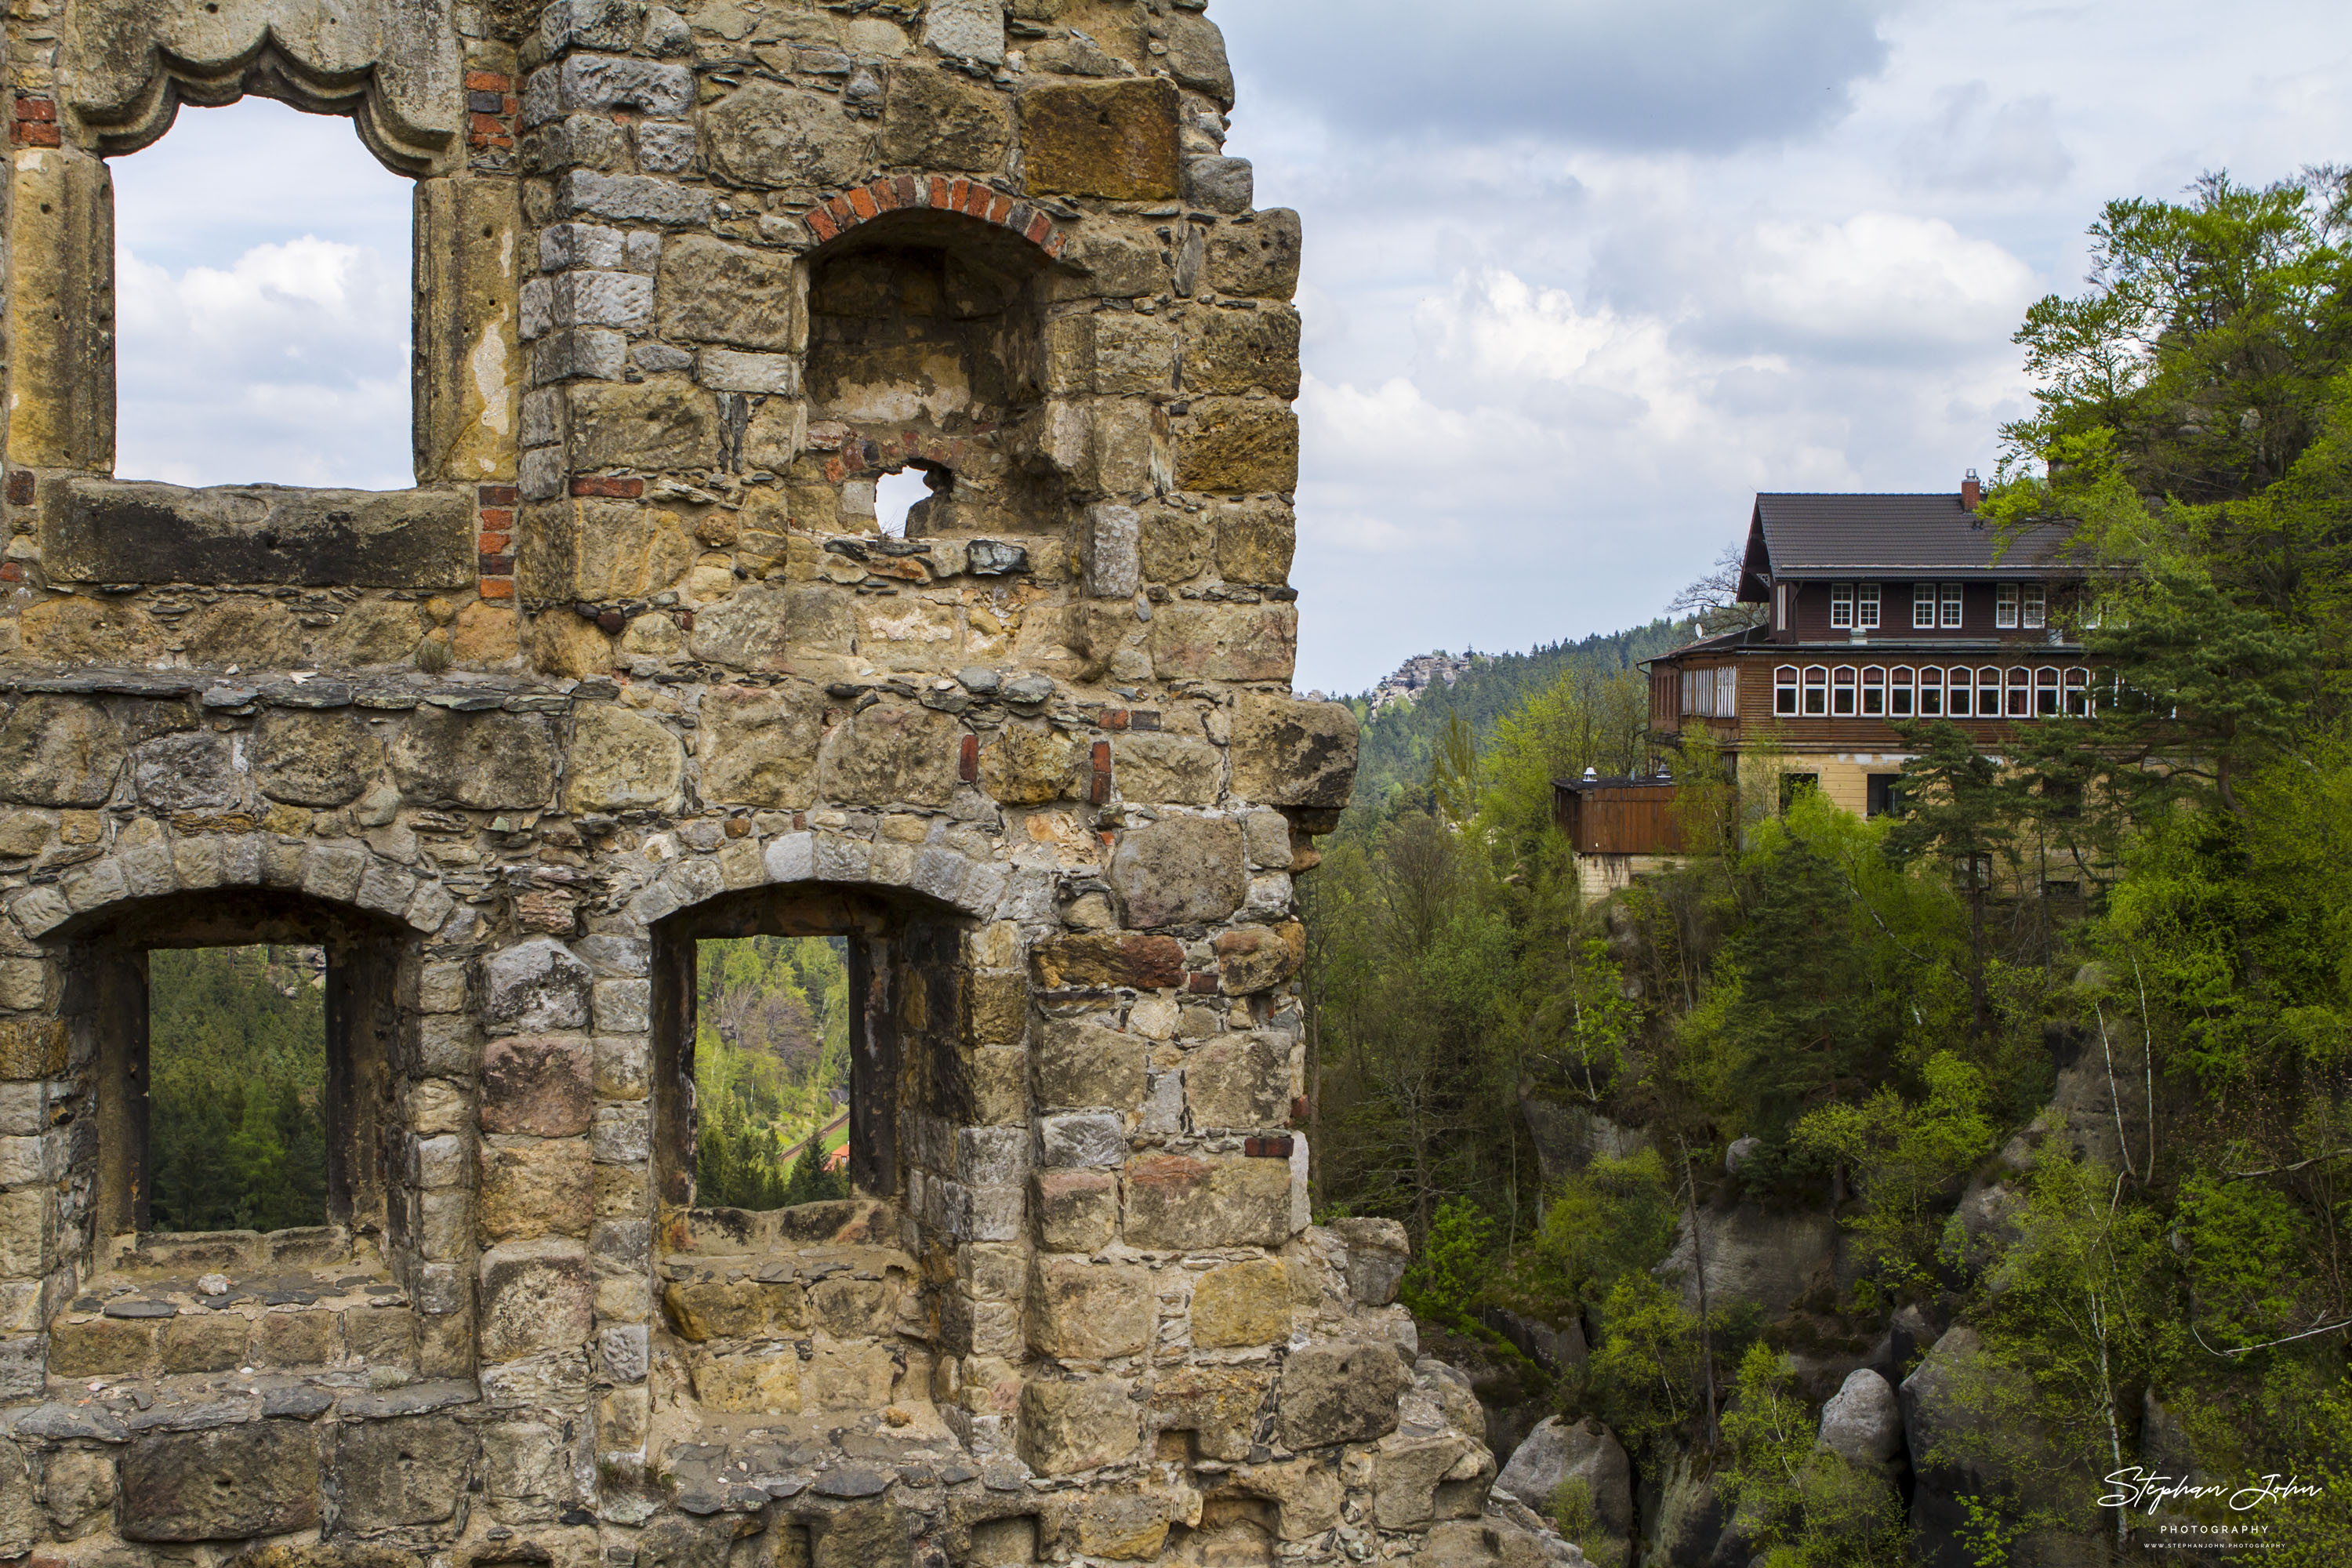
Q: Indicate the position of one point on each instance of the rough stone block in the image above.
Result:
(1239, 1082)
(712, 292)
(1161, 769)
(488, 762)
(1289, 751)
(1084, 1064)
(1218, 1405)
(1179, 870)
(764, 135)
(1089, 1311)
(296, 1339)
(1070, 1427)
(32, 1047)
(1241, 446)
(536, 1084)
(228, 1484)
(100, 1347)
(1242, 1304)
(1077, 1210)
(60, 750)
(1090, 959)
(538, 987)
(942, 119)
(1256, 258)
(763, 1382)
(892, 751)
(662, 422)
(1116, 140)
(1341, 1391)
(1182, 1203)
(536, 1188)
(1083, 1138)
(1225, 642)
(744, 1309)
(1255, 958)
(535, 1296)
(408, 1471)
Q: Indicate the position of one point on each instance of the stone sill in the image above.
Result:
(117, 532)
(727, 1233)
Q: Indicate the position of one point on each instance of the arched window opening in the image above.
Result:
(1931, 692)
(1873, 691)
(1841, 692)
(1957, 703)
(2020, 692)
(262, 304)
(1988, 692)
(1817, 692)
(1784, 690)
(1900, 702)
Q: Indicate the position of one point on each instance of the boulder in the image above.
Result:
(1556, 1452)
(1864, 1421)
(1555, 1349)
(1961, 1415)
(1568, 1137)
(1766, 1257)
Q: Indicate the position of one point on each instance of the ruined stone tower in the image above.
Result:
(631, 666)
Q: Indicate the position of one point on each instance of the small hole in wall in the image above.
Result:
(897, 494)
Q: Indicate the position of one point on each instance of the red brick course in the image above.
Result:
(893, 192)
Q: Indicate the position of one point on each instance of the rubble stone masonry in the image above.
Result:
(631, 666)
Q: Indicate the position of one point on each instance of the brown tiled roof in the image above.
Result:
(1814, 535)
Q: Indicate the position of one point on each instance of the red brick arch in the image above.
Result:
(836, 217)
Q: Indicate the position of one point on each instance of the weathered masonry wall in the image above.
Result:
(630, 666)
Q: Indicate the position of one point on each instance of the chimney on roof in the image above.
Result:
(1971, 492)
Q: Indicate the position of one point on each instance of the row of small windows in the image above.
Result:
(1872, 691)
(1854, 607)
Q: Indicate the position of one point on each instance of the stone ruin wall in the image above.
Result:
(630, 666)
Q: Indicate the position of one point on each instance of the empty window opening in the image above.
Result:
(236, 1132)
(925, 353)
(262, 304)
(1793, 785)
(771, 1071)
(903, 500)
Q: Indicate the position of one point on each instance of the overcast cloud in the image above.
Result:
(1580, 276)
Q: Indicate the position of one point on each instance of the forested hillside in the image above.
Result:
(1828, 1101)
(1400, 743)
(770, 1054)
(237, 1073)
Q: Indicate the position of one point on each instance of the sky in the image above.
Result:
(1581, 276)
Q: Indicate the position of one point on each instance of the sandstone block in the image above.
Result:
(536, 1084)
(891, 752)
(1240, 1081)
(1236, 350)
(60, 750)
(1070, 1427)
(408, 1471)
(759, 744)
(539, 987)
(662, 422)
(765, 1382)
(1092, 959)
(102, 1347)
(965, 30)
(1288, 752)
(297, 1339)
(1166, 770)
(1028, 764)
(1174, 545)
(1218, 1405)
(1088, 1311)
(1255, 540)
(228, 1484)
(938, 119)
(32, 1047)
(1242, 1304)
(1180, 1202)
(314, 758)
(848, 1377)
(1378, 1255)
(765, 134)
(490, 762)
(1077, 1210)
(194, 771)
(1124, 1526)
(622, 760)
(1341, 1391)
(540, 1188)
(1196, 56)
(757, 628)
(1179, 870)
(535, 1296)
(1306, 1491)
(1082, 1064)
(211, 1342)
(1116, 140)
(1241, 446)
(711, 1310)
(525, 1472)
(1256, 958)
(712, 292)
(1225, 642)
(1256, 258)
